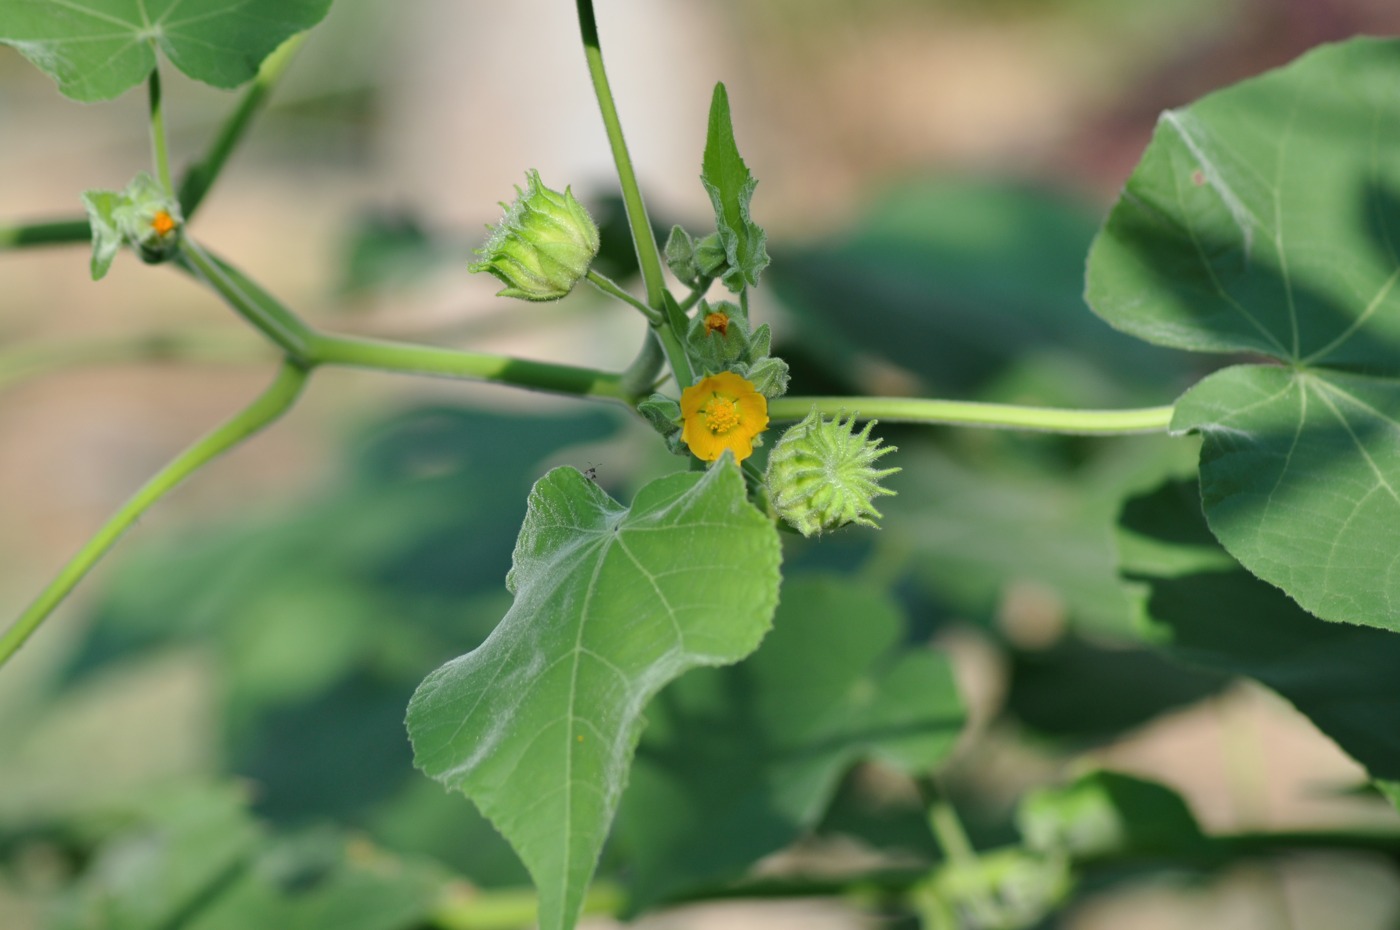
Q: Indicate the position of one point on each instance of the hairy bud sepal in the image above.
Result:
(822, 475)
(543, 245)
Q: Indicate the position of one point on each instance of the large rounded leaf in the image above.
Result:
(1265, 219)
(538, 725)
(98, 49)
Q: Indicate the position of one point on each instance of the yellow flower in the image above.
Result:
(721, 412)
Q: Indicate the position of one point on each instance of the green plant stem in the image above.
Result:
(250, 301)
(202, 345)
(613, 289)
(948, 830)
(46, 232)
(200, 177)
(970, 413)
(311, 348)
(694, 297)
(675, 353)
(271, 404)
(476, 366)
(159, 147)
(641, 377)
(648, 255)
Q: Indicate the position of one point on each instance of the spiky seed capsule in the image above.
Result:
(543, 245)
(822, 475)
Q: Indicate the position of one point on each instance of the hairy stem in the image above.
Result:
(46, 232)
(273, 402)
(476, 366)
(159, 147)
(613, 289)
(250, 301)
(648, 255)
(970, 413)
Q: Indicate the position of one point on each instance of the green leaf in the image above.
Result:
(107, 239)
(1081, 691)
(98, 49)
(539, 724)
(318, 880)
(977, 530)
(737, 762)
(194, 858)
(1106, 814)
(1203, 608)
(1264, 219)
(159, 871)
(730, 185)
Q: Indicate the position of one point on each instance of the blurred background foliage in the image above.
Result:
(211, 734)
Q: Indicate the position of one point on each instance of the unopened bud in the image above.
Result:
(543, 245)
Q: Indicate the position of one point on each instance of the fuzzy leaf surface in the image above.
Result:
(1265, 219)
(99, 49)
(538, 725)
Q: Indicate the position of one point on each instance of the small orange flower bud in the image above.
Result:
(717, 322)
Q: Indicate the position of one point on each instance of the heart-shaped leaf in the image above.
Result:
(1265, 219)
(538, 725)
(98, 49)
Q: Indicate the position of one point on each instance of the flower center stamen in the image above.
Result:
(721, 415)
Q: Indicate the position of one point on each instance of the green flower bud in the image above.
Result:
(821, 475)
(543, 245)
(769, 377)
(693, 260)
(144, 216)
(150, 219)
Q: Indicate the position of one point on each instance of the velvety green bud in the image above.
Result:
(760, 344)
(709, 256)
(769, 377)
(822, 475)
(680, 256)
(543, 245)
(694, 261)
(662, 412)
(718, 336)
(664, 415)
(144, 216)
